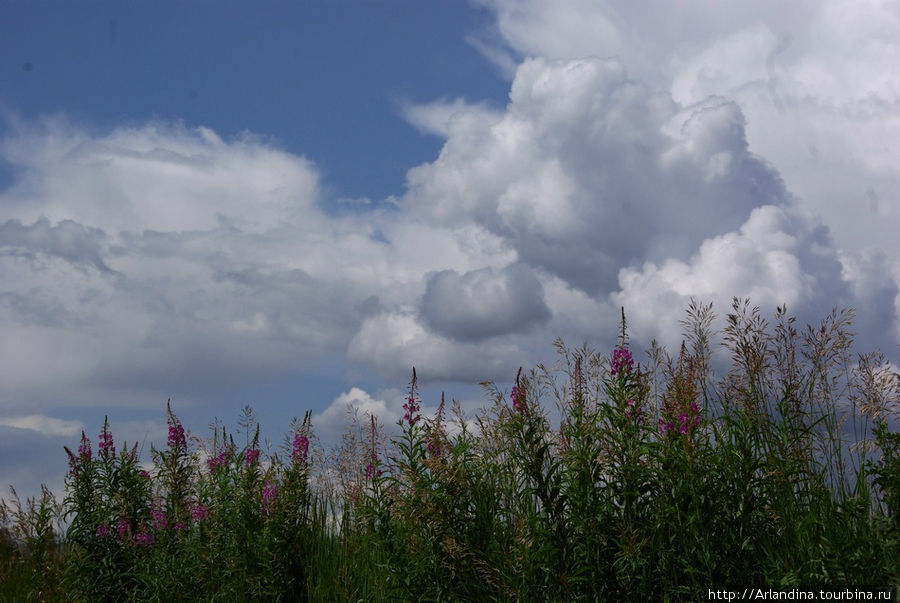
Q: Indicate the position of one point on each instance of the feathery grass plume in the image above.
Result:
(30, 568)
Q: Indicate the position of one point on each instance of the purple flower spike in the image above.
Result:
(622, 361)
(251, 456)
(300, 449)
(106, 445)
(199, 512)
(84, 448)
(143, 539)
(160, 521)
(176, 437)
(217, 461)
(518, 398)
(411, 407)
(433, 449)
(269, 492)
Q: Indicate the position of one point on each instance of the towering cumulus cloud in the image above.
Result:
(588, 171)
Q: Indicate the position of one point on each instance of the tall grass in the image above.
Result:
(600, 478)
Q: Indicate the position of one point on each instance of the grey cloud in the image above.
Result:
(484, 303)
(78, 244)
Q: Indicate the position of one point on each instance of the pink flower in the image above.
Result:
(433, 449)
(411, 407)
(160, 521)
(622, 361)
(518, 398)
(143, 539)
(103, 530)
(106, 445)
(634, 412)
(176, 437)
(300, 449)
(269, 492)
(251, 456)
(217, 461)
(199, 512)
(84, 448)
(370, 468)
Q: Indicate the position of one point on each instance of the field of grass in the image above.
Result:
(600, 478)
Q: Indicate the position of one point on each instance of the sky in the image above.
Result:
(289, 205)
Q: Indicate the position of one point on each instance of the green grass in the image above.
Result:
(651, 480)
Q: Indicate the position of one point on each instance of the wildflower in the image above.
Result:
(160, 521)
(251, 456)
(179, 526)
(145, 474)
(370, 468)
(634, 412)
(518, 398)
(433, 449)
(83, 458)
(84, 448)
(269, 492)
(143, 538)
(300, 449)
(199, 512)
(412, 411)
(217, 461)
(103, 530)
(106, 445)
(666, 426)
(176, 437)
(622, 361)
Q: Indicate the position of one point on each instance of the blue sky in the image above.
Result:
(288, 205)
(323, 79)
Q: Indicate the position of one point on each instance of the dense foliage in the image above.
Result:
(649, 480)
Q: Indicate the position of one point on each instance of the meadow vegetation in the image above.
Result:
(599, 478)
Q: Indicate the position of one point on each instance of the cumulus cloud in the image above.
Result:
(588, 170)
(815, 83)
(810, 88)
(143, 263)
(333, 421)
(163, 258)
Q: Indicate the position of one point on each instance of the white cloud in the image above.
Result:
(816, 81)
(334, 420)
(813, 89)
(588, 171)
(49, 426)
(443, 117)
